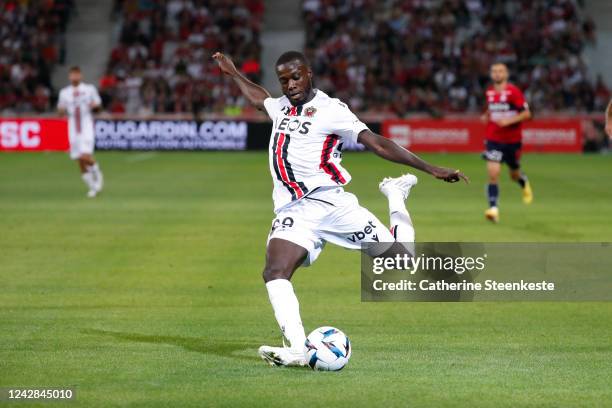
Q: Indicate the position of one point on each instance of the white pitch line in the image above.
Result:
(138, 157)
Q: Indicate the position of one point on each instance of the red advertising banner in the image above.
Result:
(564, 136)
(424, 135)
(31, 134)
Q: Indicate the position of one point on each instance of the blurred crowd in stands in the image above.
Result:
(434, 55)
(162, 61)
(32, 42)
(391, 56)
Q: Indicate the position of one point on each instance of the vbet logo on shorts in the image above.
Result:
(368, 231)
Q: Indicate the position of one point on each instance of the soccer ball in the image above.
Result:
(327, 349)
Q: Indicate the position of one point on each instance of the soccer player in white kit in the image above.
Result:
(78, 101)
(311, 207)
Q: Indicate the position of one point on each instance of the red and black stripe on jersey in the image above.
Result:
(292, 110)
(296, 110)
(282, 167)
(327, 166)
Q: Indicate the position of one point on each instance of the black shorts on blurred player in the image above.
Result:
(509, 153)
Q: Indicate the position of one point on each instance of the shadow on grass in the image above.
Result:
(223, 349)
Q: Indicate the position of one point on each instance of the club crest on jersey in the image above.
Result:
(310, 111)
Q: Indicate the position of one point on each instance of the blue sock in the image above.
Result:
(492, 194)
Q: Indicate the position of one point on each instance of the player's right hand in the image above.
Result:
(225, 63)
(609, 128)
(449, 175)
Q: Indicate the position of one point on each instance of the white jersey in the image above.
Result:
(306, 145)
(78, 101)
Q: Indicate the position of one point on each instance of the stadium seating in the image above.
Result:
(31, 43)
(406, 56)
(159, 64)
(391, 57)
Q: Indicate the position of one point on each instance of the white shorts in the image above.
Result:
(330, 215)
(81, 144)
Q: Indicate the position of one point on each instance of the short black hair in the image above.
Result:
(500, 63)
(292, 56)
(75, 68)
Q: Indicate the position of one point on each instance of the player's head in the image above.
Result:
(499, 73)
(74, 75)
(295, 76)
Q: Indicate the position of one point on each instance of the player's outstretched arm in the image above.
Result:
(256, 94)
(388, 149)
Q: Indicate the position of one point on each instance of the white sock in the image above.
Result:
(94, 168)
(401, 223)
(97, 176)
(287, 311)
(401, 226)
(88, 178)
(396, 202)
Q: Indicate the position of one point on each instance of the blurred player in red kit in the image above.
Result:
(506, 111)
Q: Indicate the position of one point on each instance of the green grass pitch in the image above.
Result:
(151, 295)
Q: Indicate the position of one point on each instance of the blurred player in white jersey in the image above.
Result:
(78, 100)
(311, 206)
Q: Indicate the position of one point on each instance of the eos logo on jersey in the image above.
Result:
(293, 124)
(360, 235)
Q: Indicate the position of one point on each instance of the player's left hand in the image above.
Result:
(449, 175)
